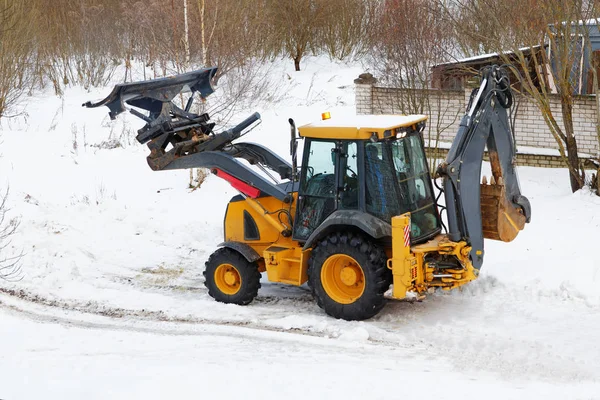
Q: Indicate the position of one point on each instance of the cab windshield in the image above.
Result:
(397, 181)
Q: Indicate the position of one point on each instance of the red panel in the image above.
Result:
(242, 186)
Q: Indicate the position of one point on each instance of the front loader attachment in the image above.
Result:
(152, 95)
(180, 139)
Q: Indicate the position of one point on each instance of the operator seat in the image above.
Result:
(379, 191)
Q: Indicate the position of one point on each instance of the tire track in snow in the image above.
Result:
(507, 330)
(116, 313)
(486, 326)
(128, 319)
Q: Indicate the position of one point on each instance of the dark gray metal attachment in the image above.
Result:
(485, 123)
(150, 95)
(226, 163)
(179, 139)
(257, 154)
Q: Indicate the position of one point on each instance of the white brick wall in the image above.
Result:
(446, 108)
(363, 97)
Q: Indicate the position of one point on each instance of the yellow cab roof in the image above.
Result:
(358, 126)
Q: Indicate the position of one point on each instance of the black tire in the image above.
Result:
(376, 276)
(243, 275)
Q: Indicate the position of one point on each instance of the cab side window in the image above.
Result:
(380, 182)
(348, 168)
(317, 188)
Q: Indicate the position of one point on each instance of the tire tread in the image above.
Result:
(248, 272)
(373, 262)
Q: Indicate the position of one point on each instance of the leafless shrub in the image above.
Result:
(15, 53)
(229, 33)
(95, 69)
(100, 197)
(10, 261)
(247, 86)
(296, 23)
(75, 144)
(412, 36)
(345, 28)
(121, 135)
(109, 144)
(81, 42)
(76, 42)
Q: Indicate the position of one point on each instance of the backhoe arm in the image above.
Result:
(495, 211)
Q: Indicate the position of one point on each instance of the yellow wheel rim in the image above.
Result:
(227, 279)
(343, 278)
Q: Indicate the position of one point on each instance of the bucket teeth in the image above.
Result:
(484, 180)
(500, 181)
(492, 180)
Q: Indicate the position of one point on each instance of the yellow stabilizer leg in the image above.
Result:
(402, 262)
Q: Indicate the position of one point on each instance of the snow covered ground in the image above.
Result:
(112, 303)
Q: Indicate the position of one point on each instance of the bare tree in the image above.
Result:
(296, 22)
(227, 35)
(548, 44)
(412, 37)
(519, 21)
(81, 42)
(186, 33)
(344, 30)
(15, 53)
(594, 61)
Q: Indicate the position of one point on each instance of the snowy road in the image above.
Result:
(72, 355)
(470, 343)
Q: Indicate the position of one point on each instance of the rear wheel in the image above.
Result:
(230, 278)
(348, 276)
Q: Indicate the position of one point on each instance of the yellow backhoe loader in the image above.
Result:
(360, 215)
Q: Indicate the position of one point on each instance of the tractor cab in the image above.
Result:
(373, 166)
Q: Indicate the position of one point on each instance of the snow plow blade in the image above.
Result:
(150, 95)
(500, 219)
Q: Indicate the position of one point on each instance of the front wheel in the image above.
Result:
(348, 276)
(230, 278)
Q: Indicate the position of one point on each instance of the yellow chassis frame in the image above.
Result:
(285, 261)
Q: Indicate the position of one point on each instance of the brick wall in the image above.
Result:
(531, 130)
(446, 108)
(532, 160)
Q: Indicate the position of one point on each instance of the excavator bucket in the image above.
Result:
(500, 219)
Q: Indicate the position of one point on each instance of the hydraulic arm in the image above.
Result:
(494, 211)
